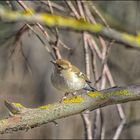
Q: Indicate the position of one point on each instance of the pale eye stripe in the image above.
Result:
(61, 75)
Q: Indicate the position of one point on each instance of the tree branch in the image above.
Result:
(25, 118)
(68, 22)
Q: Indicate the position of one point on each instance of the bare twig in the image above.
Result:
(87, 59)
(56, 50)
(98, 13)
(55, 5)
(89, 16)
(103, 57)
(106, 71)
(87, 125)
(119, 129)
(103, 82)
(70, 5)
(58, 41)
(102, 125)
(119, 107)
(47, 48)
(81, 9)
(85, 116)
(41, 29)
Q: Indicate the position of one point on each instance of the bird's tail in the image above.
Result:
(89, 87)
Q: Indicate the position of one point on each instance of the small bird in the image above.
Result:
(68, 78)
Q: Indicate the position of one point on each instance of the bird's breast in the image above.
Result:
(67, 81)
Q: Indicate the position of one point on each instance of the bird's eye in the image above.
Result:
(59, 66)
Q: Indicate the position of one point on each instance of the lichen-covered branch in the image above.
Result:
(25, 118)
(68, 22)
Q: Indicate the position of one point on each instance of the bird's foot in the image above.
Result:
(73, 93)
(64, 97)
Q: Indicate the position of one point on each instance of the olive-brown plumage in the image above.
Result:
(68, 78)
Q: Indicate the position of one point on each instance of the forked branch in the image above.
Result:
(25, 118)
(52, 20)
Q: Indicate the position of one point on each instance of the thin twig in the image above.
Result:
(98, 13)
(46, 47)
(120, 111)
(46, 34)
(39, 26)
(119, 129)
(109, 76)
(89, 16)
(85, 116)
(103, 57)
(87, 59)
(72, 8)
(81, 9)
(54, 5)
(102, 125)
(94, 68)
(56, 50)
(98, 112)
(103, 84)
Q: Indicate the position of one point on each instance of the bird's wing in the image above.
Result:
(80, 74)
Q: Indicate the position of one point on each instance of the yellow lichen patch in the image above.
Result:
(19, 105)
(28, 11)
(76, 99)
(45, 106)
(82, 19)
(138, 37)
(95, 94)
(123, 92)
(131, 38)
(79, 24)
(14, 111)
(96, 27)
(48, 19)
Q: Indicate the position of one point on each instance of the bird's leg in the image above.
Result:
(64, 97)
(73, 93)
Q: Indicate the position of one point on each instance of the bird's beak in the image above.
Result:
(53, 62)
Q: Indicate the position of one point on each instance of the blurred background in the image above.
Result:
(25, 66)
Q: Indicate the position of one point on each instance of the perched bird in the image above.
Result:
(68, 78)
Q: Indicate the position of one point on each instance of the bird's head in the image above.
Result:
(62, 64)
